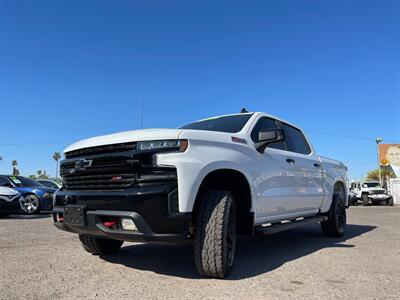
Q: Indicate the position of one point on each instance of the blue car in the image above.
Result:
(36, 197)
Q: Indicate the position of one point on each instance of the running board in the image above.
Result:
(281, 226)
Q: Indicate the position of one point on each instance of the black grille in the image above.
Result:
(377, 192)
(111, 168)
(114, 148)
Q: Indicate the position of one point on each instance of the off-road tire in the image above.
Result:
(390, 202)
(336, 223)
(215, 234)
(99, 246)
(365, 199)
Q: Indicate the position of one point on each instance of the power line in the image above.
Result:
(360, 164)
(350, 136)
(36, 143)
(141, 123)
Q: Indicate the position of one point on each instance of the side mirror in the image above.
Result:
(266, 137)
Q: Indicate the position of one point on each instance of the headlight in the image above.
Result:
(173, 145)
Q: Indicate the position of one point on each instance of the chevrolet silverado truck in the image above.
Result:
(204, 183)
(370, 191)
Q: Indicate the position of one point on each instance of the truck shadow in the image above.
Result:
(29, 217)
(254, 256)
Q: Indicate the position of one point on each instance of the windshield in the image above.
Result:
(22, 181)
(231, 124)
(371, 184)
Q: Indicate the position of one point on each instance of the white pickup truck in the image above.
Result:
(206, 182)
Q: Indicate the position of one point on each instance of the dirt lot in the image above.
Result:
(37, 261)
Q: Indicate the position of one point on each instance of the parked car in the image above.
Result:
(248, 173)
(370, 191)
(49, 183)
(36, 197)
(10, 201)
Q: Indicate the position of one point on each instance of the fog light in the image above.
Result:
(127, 224)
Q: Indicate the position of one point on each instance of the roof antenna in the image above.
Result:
(141, 114)
(243, 110)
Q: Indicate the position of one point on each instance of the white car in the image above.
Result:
(247, 173)
(10, 201)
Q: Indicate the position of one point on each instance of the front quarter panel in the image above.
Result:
(201, 158)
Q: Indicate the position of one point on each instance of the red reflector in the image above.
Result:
(109, 224)
(60, 218)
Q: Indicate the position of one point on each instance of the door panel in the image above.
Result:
(289, 181)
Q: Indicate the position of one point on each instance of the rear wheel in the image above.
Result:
(4, 215)
(365, 200)
(99, 246)
(336, 223)
(215, 234)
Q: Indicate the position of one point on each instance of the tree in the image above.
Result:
(39, 173)
(14, 163)
(385, 173)
(56, 157)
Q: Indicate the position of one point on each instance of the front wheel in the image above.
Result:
(215, 234)
(31, 204)
(336, 223)
(99, 246)
(390, 202)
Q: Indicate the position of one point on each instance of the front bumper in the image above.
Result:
(147, 205)
(379, 197)
(94, 226)
(10, 206)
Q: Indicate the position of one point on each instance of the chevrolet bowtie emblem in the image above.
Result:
(83, 163)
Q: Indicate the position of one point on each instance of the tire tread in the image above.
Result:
(209, 243)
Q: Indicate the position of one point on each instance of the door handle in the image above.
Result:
(317, 165)
(290, 161)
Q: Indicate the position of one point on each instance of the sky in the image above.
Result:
(75, 69)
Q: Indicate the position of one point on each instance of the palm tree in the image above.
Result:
(39, 173)
(56, 157)
(14, 163)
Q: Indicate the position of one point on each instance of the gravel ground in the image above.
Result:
(39, 262)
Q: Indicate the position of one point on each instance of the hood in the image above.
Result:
(125, 137)
(5, 191)
(34, 189)
(376, 189)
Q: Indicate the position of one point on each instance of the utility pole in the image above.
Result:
(378, 140)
